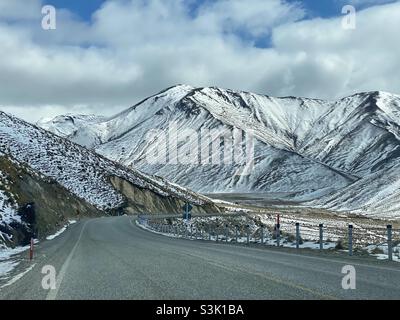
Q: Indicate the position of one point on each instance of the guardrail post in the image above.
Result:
(217, 232)
(248, 234)
(237, 233)
(390, 246)
(321, 236)
(297, 235)
(226, 233)
(262, 234)
(350, 239)
(209, 233)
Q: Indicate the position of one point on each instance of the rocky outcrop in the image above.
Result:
(138, 200)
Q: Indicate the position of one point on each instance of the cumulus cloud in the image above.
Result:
(132, 49)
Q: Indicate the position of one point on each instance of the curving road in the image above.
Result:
(112, 258)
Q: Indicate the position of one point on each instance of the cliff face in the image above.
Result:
(139, 200)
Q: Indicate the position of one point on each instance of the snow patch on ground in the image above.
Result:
(7, 264)
(51, 237)
(18, 276)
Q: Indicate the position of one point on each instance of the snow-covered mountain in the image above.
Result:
(341, 154)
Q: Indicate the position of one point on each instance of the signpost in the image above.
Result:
(187, 208)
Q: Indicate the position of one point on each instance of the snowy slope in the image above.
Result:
(70, 125)
(8, 209)
(318, 149)
(79, 170)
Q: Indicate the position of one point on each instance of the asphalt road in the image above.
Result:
(112, 258)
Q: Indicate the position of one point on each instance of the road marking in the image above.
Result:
(52, 295)
(18, 276)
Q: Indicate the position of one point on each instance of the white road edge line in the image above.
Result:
(18, 276)
(52, 295)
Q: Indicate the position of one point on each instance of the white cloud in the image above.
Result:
(132, 49)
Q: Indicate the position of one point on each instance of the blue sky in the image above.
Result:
(315, 8)
(83, 9)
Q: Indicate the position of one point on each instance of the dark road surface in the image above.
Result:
(112, 258)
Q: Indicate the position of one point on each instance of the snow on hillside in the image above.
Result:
(78, 169)
(8, 210)
(69, 126)
(335, 153)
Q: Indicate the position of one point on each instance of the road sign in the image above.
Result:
(187, 208)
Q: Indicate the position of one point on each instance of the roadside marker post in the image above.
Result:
(248, 234)
(209, 233)
(390, 246)
(31, 250)
(297, 235)
(321, 236)
(226, 233)
(350, 240)
(278, 230)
